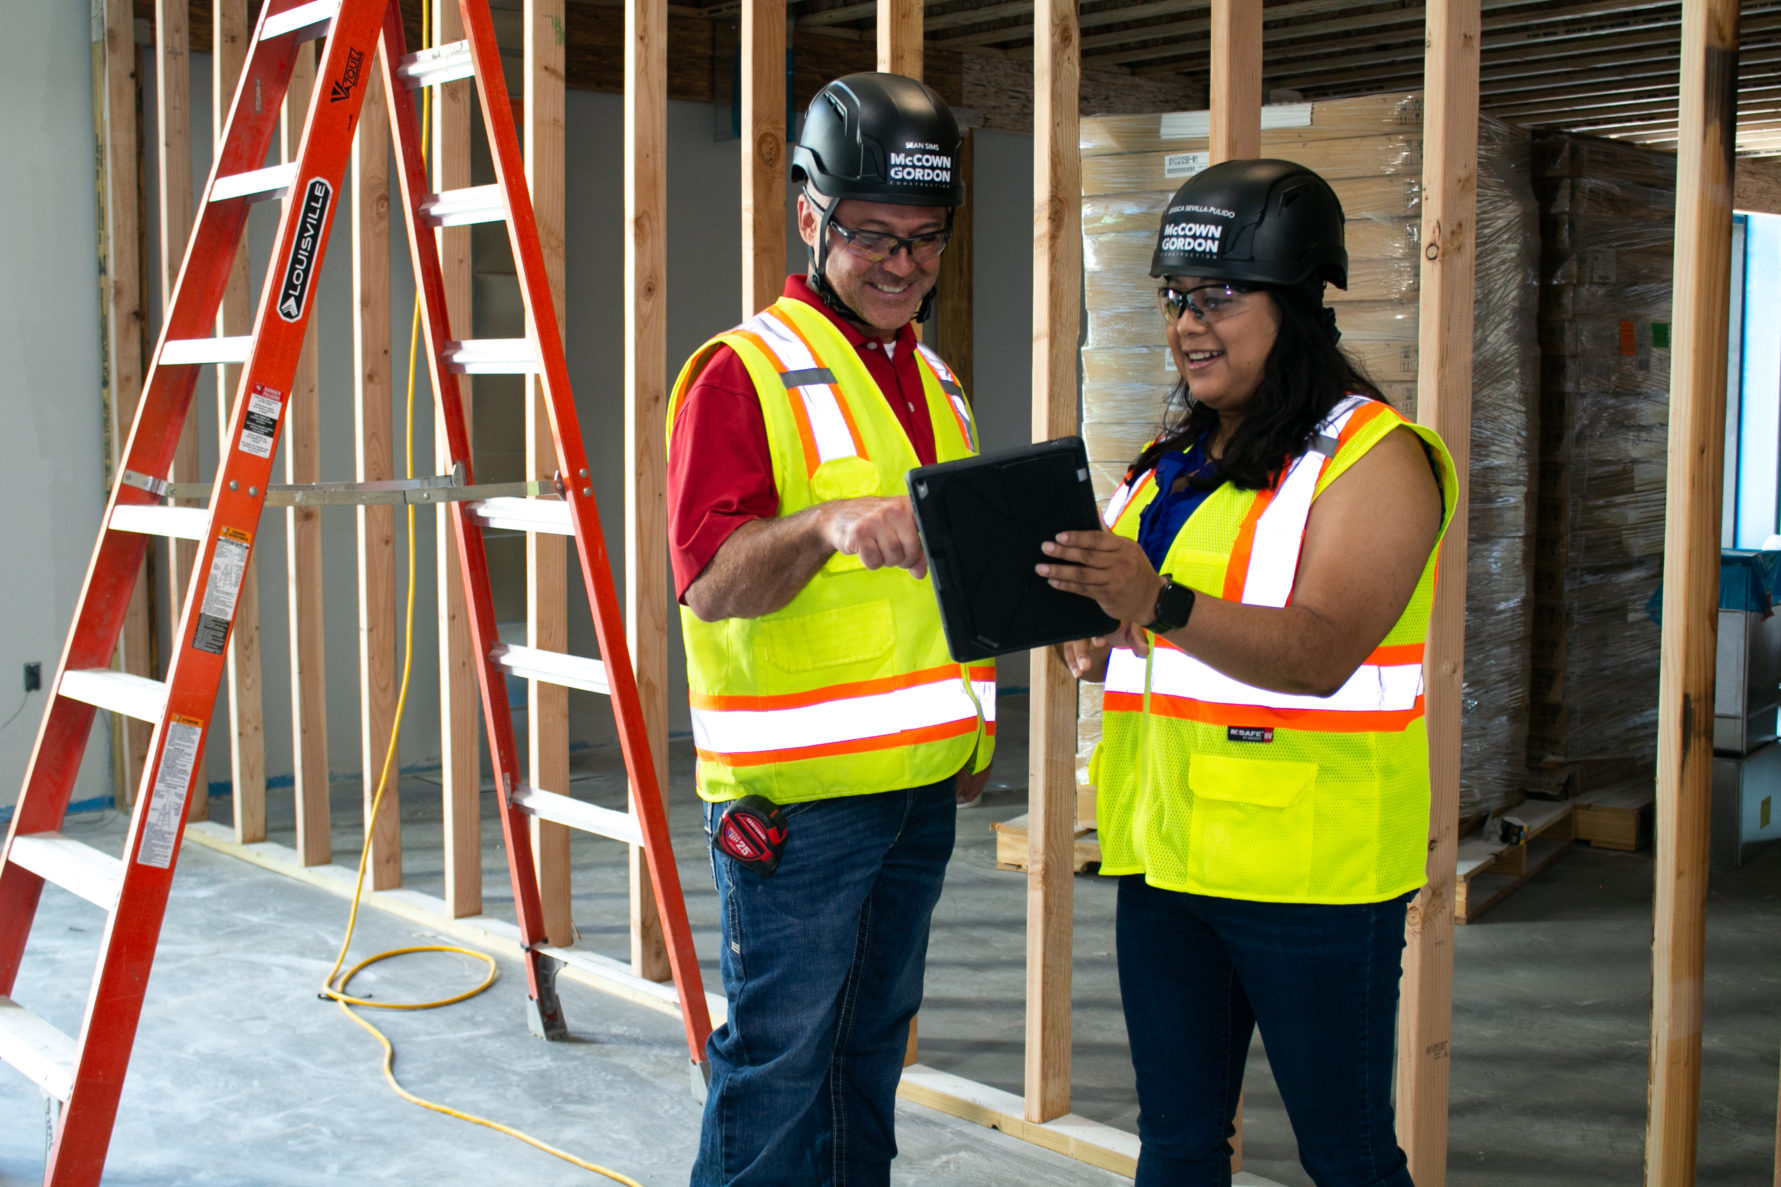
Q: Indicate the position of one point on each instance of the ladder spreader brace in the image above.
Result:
(85, 1073)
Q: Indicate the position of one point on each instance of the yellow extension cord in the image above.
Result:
(335, 985)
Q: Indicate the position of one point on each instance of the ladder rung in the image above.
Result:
(552, 667)
(589, 818)
(457, 208)
(441, 64)
(524, 515)
(203, 351)
(153, 519)
(492, 356)
(75, 867)
(120, 692)
(306, 20)
(258, 184)
(44, 1054)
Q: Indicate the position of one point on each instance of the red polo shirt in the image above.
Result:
(720, 470)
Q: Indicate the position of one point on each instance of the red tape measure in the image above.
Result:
(752, 831)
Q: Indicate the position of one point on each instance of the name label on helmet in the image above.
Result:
(921, 166)
(1193, 237)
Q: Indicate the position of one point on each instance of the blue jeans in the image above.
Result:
(822, 963)
(1197, 975)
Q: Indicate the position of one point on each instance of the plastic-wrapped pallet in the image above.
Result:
(1607, 241)
(1370, 149)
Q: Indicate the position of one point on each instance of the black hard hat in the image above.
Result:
(1262, 221)
(880, 138)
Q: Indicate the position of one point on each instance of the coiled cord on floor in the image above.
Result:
(335, 986)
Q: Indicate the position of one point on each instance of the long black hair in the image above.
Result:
(1306, 375)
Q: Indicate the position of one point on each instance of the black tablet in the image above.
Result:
(982, 520)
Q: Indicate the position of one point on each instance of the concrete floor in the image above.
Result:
(241, 1076)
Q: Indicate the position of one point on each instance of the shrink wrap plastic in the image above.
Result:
(1370, 150)
(1607, 237)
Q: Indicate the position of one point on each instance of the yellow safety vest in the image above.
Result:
(1209, 785)
(848, 689)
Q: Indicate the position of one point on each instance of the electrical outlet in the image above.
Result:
(33, 677)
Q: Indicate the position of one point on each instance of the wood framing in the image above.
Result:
(1236, 99)
(374, 461)
(121, 333)
(1051, 771)
(173, 124)
(900, 37)
(547, 556)
(763, 153)
(955, 306)
(1444, 402)
(302, 451)
(247, 750)
(460, 722)
(646, 428)
(1701, 312)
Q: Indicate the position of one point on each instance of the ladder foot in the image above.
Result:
(544, 1013)
(701, 1076)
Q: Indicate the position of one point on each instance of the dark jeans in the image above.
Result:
(1198, 974)
(822, 963)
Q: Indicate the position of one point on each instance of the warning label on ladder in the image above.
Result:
(167, 803)
(228, 564)
(260, 425)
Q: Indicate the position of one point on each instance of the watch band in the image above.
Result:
(1174, 605)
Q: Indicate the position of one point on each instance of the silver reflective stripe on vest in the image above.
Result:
(1374, 688)
(1280, 531)
(950, 385)
(817, 727)
(814, 384)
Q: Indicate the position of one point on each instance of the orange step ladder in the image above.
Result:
(85, 1073)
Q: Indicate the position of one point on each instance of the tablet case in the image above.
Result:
(981, 521)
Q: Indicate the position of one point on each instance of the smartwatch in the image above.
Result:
(1174, 605)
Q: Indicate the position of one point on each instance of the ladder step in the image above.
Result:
(552, 667)
(153, 519)
(120, 692)
(306, 21)
(76, 867)
(457, 208)
(579, 814)
(203, 351)
(44, 1054)
(523, 515)
(492, 356)
(258, 184)
(441, 64)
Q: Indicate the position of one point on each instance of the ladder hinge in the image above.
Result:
(158, 487)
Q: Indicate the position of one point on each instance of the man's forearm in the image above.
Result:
(761, 567)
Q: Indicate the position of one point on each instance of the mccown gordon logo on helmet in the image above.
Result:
(921, 161)
(1200, 238)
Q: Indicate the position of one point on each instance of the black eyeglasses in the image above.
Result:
(877, 245)
(1207, 302)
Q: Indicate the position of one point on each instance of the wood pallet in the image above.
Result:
(1616, 817)
(1011, 846)
(1490, 870)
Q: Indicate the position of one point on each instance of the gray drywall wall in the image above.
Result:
(50, 475)
(703, 296)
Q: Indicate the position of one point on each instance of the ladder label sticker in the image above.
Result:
(293, 292)
(228, 564)
(259, 428)
(173, 782)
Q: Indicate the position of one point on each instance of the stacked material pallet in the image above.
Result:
(1370, 149)
(1607, 214)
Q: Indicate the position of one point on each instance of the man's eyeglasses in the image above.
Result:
(876, 245)
(1207, 302)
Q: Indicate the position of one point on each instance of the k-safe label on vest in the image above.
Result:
(1249, 733)
(300, 269)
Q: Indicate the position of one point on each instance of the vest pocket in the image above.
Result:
(1251, 826)
(855, 636)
